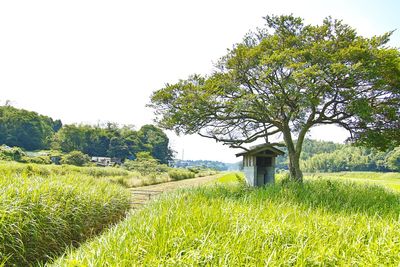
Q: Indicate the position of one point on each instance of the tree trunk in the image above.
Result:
(293, 155)
(294, 167)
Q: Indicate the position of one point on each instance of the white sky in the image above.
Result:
(91, 61)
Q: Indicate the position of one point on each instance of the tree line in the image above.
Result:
(321, 156)
(32, 131)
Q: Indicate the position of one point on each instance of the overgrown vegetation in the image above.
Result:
(44, 209)
(318, 223)
(179, 174)
(76, 158)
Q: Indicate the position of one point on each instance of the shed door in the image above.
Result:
(264, 162)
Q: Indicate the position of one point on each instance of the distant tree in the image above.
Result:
(71, 137)
(145, 164)
(153, 139)
(111, 140)
(393, 159)
(285, 79)
(76, 158)
(118, 148)
(26, 129)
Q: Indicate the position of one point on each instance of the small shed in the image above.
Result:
(259, 164)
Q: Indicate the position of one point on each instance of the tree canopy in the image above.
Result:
(113, 141)
(26, 129)
(284, 79)
(32, 131)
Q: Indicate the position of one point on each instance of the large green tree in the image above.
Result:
(286, 78)
(26, 129)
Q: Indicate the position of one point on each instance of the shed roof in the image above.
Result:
(254, 150)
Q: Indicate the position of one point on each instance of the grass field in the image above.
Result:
(115, 175)
(45, 209)
(326, 222)
(387, 179)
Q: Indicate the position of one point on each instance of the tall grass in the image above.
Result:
(325, 223)
(15, 168)
(41, 215)
(387, 179)
(180, 174)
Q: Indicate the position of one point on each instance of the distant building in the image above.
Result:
(55, 160)
(106, 161)
(259, 164)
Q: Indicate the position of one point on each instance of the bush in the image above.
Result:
(145, 164)
(76, 158)
(37, 160)
(40, 217)
(179, 174)
(11, 153)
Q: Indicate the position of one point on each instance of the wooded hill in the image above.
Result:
(322, 156)
(32, 131)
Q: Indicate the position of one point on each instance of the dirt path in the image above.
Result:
(144, 193)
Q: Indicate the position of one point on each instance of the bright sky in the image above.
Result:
(96, 61)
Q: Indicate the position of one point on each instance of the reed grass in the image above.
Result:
(42, 215)
(319, 223)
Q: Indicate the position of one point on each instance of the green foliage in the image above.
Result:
(180, 174)
(41, 215)
(32, 131)
(114, 141)
(322, 156)
(37, 160)
(393, 159)
(145, 164)
(351, 158)
(11, 153)
(319, 223)
(76, 158)
(286, 78)
(156, 142)
(26, 129)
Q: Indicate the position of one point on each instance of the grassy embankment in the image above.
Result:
(323, 222)
(44, 209)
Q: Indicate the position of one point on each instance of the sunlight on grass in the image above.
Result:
(386, 179)
(324, 222)
(231, 177)
(42, 214)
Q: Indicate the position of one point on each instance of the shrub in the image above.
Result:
(145, 164)
(179, 174)
(37, 160)
(76, 158)
(11, 153)
(40, 217)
